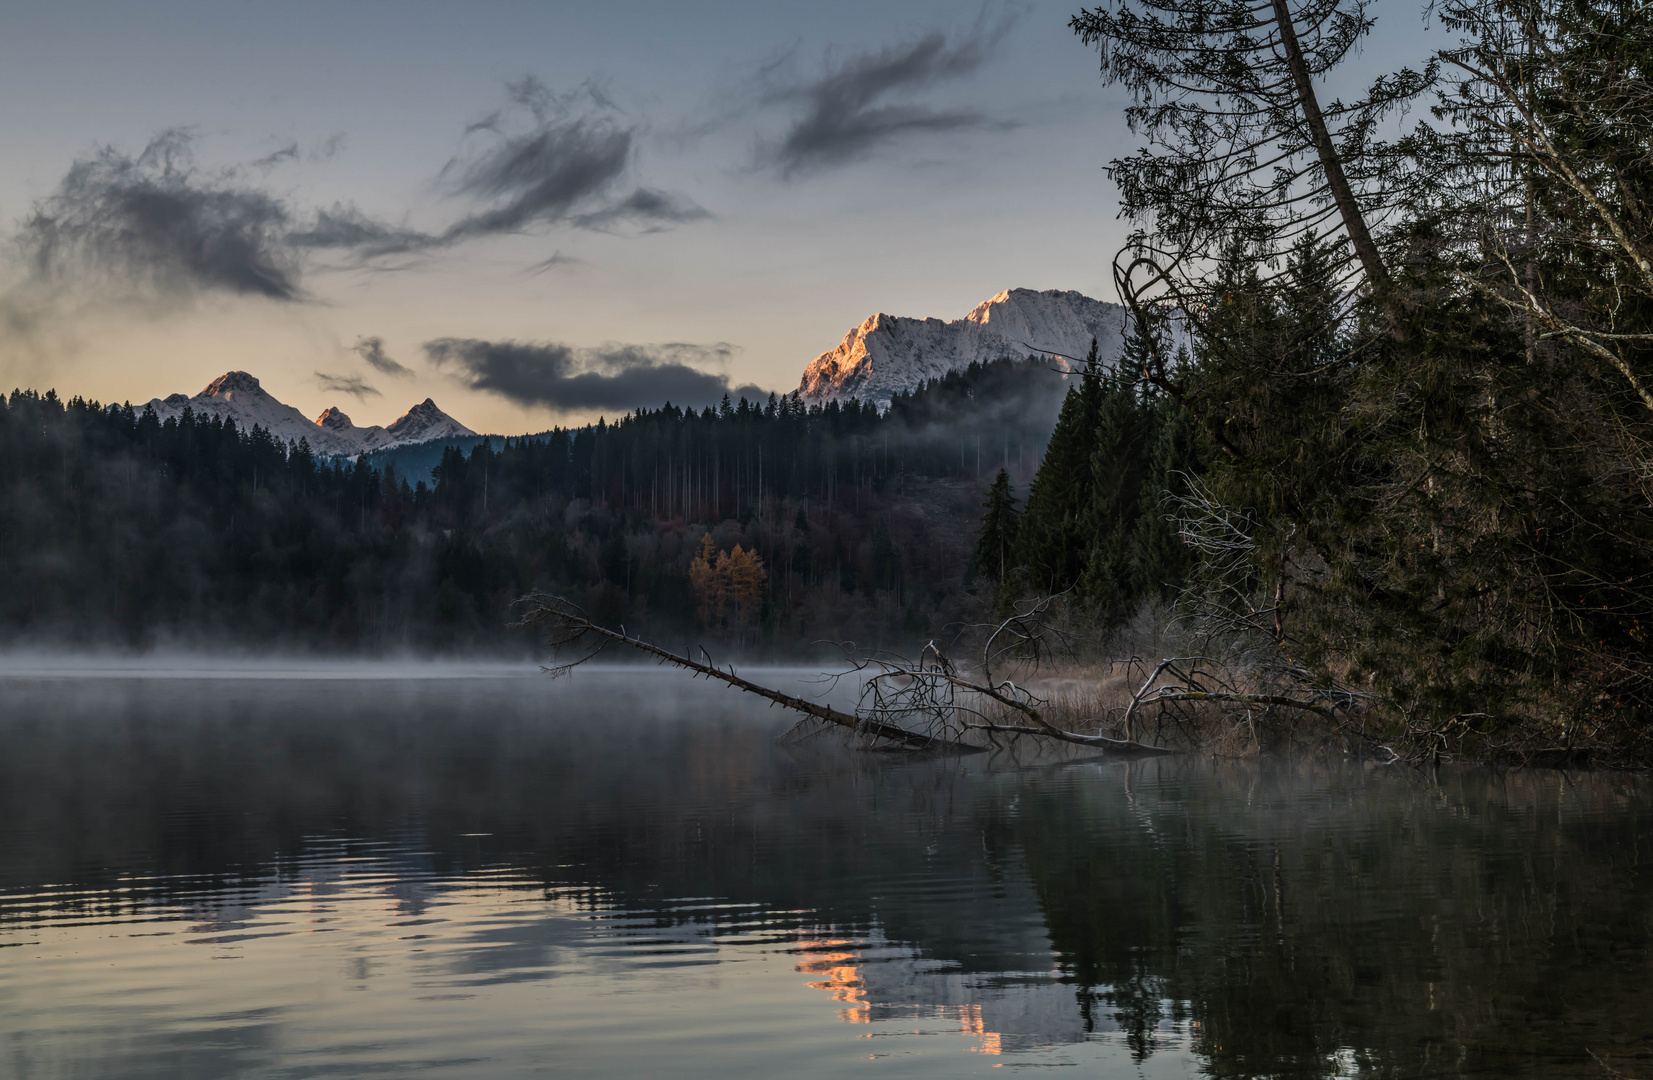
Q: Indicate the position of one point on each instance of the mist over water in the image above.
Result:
(303, 869)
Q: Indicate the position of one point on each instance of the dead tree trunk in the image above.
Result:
(567, 626)
(931, 693)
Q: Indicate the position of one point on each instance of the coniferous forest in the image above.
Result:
(1381, 433)
(1401, 331)
(119, 530)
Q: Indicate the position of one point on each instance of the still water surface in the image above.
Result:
(627, 874)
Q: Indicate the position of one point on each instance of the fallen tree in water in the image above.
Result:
(927, 704)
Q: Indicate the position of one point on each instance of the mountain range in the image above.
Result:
(883, 356)
(888, 354)
(236, 395)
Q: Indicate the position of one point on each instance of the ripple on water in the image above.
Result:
(496, 877)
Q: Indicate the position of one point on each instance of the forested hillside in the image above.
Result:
(1379, 445)
(1414, 414)
(119, 529)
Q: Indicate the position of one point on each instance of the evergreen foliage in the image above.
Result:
(1097, 517)
(996, 540)
(1423, 369)
(118, 528)
(1051, 543)
(1119, 464)
(1160, 561)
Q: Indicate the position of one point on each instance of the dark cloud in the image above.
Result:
(346, 384)
(864, 101)
(556, 159)
(156, 225)
(543, 176)
(649, 209)
(557, 259)
(156, 221)
(347, 228)
(328, 148)
(613, 377)
(372, 351)
(270, 161)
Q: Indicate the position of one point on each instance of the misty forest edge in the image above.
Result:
(1375, 463)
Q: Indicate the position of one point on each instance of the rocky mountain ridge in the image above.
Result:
(237, 395)
(888, 354)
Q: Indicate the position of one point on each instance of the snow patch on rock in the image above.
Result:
(887, 354)
(237, 396)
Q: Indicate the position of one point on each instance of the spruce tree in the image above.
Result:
(1111, 584)
(1052, 544)
(1000, 522)
(1160, 561)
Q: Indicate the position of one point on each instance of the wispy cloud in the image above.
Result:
(551, 159)
(271, 160)
(557, 259)
(614, 377)
(649, 209)
(157, 222)
(328, 148)
(372, 352)
(864, 101)
(156, 225)
(347, 384)
(347, 229)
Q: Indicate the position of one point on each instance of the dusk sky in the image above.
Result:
(365, 204)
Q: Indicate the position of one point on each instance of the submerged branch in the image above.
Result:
(567, 626)
(926, 693)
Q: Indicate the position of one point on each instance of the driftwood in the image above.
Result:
(567, 627)
(924, 705)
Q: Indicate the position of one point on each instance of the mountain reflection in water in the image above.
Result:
(627, 874)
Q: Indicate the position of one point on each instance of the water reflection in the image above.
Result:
(622, 876)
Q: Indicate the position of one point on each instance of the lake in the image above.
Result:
(446, 872)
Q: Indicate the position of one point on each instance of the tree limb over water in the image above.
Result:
(928, 704)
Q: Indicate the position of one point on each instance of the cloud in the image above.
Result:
(346, 384)
(347, 228)
(611, 377)
(554, 159)
(158, 223)
(557, 259)
(270, 161)
(328, 148)
(648, 208)
(158, 226)
(856, 105)
(372, 351)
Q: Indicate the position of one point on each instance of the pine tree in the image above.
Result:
(1052, 544)
(996, 541)
(1160, 561)
(1118, 464)
(1113, 584)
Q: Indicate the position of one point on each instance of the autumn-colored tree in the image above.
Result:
(703, 579)
(744, 577)
(727, 584)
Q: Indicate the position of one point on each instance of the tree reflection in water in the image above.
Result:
(1282, 919)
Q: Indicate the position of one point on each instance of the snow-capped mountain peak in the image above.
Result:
(334, 419)
(231, 383)
(887, 354)
(425, 422)
(236, 395)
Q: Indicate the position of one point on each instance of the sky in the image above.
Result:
(533, 213)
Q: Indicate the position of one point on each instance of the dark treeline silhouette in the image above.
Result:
(1098, 523)
(117, 528)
